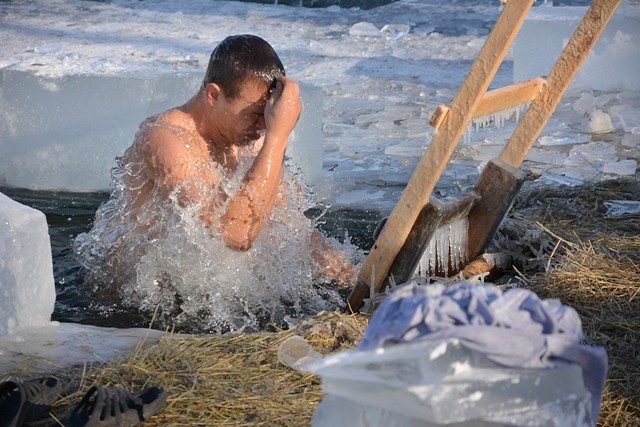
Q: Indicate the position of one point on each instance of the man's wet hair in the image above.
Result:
(239, 57)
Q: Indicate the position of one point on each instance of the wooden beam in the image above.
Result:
(496, 100)
(572, 57)
(509, 97)
(437, 213)
(438, 117)
(497, 187)
(418, 191)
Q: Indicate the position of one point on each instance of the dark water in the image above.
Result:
(69, 214)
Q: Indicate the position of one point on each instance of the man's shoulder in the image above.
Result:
(170, 126)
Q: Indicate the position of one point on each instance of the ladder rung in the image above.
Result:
(496, 100)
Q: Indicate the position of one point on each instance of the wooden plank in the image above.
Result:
(437, 213)
(497, 187)
(438, 117)
(496, 100)
(415, 196)
(509, 97)
(572, 57)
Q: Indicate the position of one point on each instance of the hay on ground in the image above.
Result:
(570, 249)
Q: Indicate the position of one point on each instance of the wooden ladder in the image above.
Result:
(415, 218)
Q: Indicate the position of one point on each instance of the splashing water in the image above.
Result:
(447, 247)
(164, 259)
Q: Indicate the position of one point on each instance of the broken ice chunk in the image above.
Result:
(622, 167)
(587, 102)
(395, 31)
(546, 156)
(592, 152)
(629, 118)
(622, 207)
(552, 140)
(599, 122)
(364, 29)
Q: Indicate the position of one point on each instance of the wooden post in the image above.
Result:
(415, 196)
(500, 181)
(436, 214)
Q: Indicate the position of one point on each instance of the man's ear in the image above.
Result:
(212, 93)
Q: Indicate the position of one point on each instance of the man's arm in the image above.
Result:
(249, 209)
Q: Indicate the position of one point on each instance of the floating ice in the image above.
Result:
(593, 153)
(551, 140)
(27, 292)
(549, 157)
(621, 167)
(629, 118)
(586, 103)
(405, 150)
(395, 31)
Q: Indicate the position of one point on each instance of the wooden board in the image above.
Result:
(495, 100)
(418, 191)
(497, 187)
(435, 214)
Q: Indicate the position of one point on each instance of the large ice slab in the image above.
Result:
(63, 133)
(58, 345)
(613, 63)
(27, 292)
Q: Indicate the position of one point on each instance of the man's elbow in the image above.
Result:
(241, 243)
(240, 246)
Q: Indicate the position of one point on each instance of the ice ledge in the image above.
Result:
(613, 63)
(64, 133)
(31, 351)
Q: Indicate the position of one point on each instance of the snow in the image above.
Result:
(27, 292)
(382, 72)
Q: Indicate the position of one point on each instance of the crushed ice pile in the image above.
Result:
(382, 73)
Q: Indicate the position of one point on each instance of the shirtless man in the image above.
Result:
(187, 151)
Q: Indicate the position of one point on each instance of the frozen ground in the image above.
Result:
(382, 71)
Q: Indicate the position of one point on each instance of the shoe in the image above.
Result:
(24, 401)
(103, 407)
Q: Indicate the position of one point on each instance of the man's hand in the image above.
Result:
(283, 109)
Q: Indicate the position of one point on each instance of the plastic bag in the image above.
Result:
(426, 383)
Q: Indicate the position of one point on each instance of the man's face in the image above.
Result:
(242, 120)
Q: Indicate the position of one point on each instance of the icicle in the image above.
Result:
(498, 118)
(447, 245)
